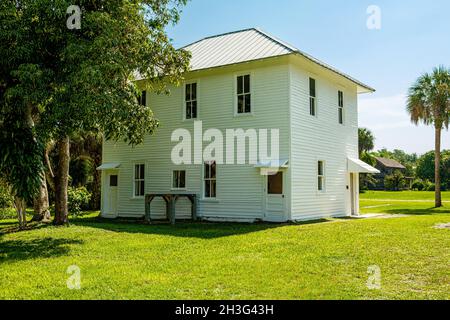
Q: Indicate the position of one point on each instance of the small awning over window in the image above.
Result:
(281, 163)
(272, 167)
(108, 166)
(358, 166)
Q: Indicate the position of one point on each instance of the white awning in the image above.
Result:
(358, 166)
(273, 164)
(108, 166)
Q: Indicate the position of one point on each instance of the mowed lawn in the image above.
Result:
(327, 259)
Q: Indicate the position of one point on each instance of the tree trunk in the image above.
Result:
(41, 203)
(437, 167)
(62, 181)
(21, 208)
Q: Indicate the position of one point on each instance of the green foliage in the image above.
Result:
(426, 166)
(78, 200)
(366, 141)
(6, 199)
(81, 170)
(395, 181)
(419, 185)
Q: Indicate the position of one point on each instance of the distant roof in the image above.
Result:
(389, 163)
(247, 45)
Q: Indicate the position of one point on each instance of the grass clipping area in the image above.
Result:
(325, 260)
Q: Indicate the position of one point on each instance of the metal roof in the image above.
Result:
(244, 46)
(390, 163)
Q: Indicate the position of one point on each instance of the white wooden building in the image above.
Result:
(314, 106)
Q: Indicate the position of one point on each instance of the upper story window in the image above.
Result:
(142, 99)
(341, 107)
(179, 179)
(209, 177)
(139, 180)
(191, 101)
(244, 103)
(321, 175)
(312, 97)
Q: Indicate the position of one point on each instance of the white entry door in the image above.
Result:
(110, 199)
(275, 199)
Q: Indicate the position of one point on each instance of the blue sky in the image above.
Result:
(414, 37)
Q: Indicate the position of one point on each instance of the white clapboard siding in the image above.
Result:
(321, 138)
(239, 187)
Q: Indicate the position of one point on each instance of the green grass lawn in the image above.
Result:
(322, 260)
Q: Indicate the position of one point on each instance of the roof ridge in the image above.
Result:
(220, 35)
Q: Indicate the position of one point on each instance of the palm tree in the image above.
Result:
(429, 103)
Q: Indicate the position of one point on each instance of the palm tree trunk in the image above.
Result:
(437, 167)
(41, 203)
(62, 181)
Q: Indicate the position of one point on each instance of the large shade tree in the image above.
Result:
(429, 103)
(82, 80)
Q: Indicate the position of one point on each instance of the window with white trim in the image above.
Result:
(209, 177)
(321, 175)
(179, 179)
(341, 107)
(312, 97)
(244, 97)
(139, 180)
(191, 101)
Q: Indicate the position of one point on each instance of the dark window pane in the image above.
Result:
(208, 189)
(213, 170)
(142, 188)
(188, 110)
(312, 87)
(194, 91)
(341, 116)
(144, 98)
(320, 183)
(312, 106)
(207, 171)
(320, 168)
(174, 180)
(247, 84)
(194, 110)
(240, 104)
(136, 188)
(213, 188)
(113, 181)
(247, 103)
(240, 85)
(182, 182)
(188, 92)
(275, 183)
(142, 172)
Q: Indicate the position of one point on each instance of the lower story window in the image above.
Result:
(179, 179)
(210, 179)
(321, 175)
(139, 180)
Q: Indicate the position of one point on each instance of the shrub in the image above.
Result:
(78, 200)
(6, 200)
(419, 185)
(395, 181)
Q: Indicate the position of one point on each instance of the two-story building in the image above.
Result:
(247, 80)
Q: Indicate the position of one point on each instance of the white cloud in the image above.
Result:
(391, 125)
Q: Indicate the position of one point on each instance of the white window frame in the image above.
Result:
(236, 95)
(185, 179)
(138, 179)
(312, 98)
(208, 179)
(341, 110)
(196, 82)
(321, 176)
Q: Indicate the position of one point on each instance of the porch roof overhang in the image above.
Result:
(109, 166)
(358, 166)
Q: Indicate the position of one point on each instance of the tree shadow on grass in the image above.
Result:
(202, 230)
(13, 250)
(418, 212)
